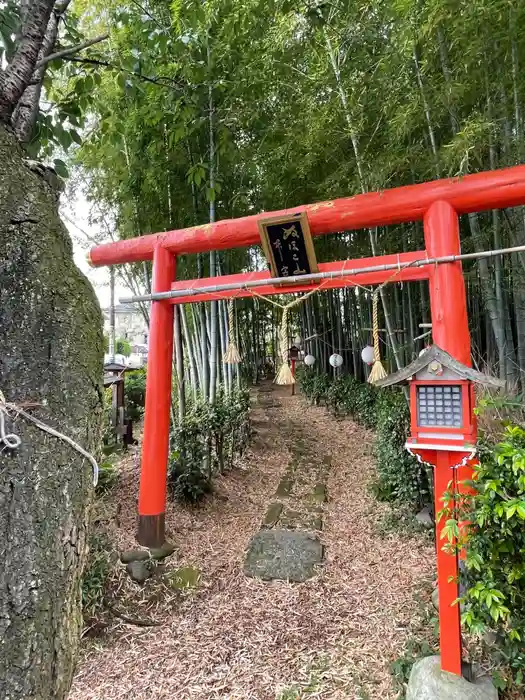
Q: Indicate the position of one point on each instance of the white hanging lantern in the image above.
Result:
(297, 341)
(309, 360)
(367, 355)
(335, 360)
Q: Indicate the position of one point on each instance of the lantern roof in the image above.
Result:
(435, 354)
(115, 367)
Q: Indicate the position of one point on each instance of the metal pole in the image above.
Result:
(111, 343)
(317, 276)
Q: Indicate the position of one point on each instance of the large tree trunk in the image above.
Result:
(16, 76)
(51, 330)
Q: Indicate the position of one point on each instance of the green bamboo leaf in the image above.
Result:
(60, 168)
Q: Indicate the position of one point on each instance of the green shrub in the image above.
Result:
(315, 386)
(400, 476)
(348, 396)
(207, 442)
(188, 474)
(107, 476)
(135, 393)
(122, 346)
(495, 561)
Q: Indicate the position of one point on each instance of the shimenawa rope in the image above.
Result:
(284, 375)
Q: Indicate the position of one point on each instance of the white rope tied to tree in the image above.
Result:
(231, 356)
(12, 441)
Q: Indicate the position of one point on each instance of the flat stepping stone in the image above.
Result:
(272, 514)
(319, 494)
(261, 422)
(284, 555)
(285, 486)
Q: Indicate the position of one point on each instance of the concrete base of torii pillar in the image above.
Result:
(428, 682)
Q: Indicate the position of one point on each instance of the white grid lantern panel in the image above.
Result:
(439, 406)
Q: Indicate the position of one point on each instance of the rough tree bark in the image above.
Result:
(52, 350)
(16, 76)
(26, 111)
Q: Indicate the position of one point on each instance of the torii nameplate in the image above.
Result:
(287, 244)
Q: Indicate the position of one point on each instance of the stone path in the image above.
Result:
(287, 547)
(224, 635)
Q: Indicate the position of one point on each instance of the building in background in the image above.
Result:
(129, 325)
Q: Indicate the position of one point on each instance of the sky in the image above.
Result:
(75, 214)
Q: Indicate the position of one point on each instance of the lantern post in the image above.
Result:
(293, 356)
(443, 434)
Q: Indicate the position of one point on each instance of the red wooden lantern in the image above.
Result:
(442, 401)
(442, 407)
(293, 353)
(443, 434)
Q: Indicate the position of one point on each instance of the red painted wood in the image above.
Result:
(152, 491)
(413, 411)
(366, 279)
(447, 567)
(448, 301)
(488, 190)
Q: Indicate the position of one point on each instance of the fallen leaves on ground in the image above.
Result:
(236, 638)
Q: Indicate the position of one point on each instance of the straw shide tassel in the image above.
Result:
(284, 375)
(232, 355)
(378, 371)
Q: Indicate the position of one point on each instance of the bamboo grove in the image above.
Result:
(196, 111)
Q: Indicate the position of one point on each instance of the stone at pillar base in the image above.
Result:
(428, 682)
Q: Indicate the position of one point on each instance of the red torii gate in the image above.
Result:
(437, 203)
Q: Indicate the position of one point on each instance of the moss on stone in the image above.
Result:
(272, 514)
(285, 486)
(319, 494)
(184, 578)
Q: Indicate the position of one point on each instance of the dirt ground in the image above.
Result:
(236, 638)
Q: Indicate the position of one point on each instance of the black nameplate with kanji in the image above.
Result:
(288, 247)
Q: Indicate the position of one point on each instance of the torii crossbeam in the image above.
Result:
(437, 203)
